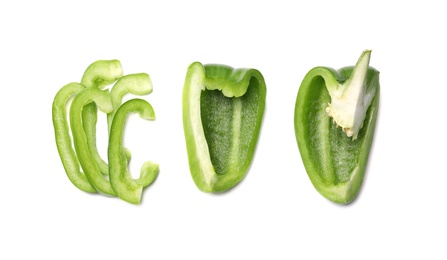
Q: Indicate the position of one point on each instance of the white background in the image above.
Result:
(275, 213)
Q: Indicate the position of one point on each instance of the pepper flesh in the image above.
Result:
(138, 84)
(99, 74)
(351, 99)
(335, 158)
(91, 169)
(88, 97)
(222, 114)
(63, 140)
(102, 73)
(122, 183)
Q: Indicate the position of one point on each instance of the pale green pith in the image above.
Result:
(236, 130)
(351, 99)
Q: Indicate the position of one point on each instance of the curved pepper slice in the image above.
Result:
(222, 114)
(99, 74)
(138, 84)
(125, 187)
(102, 73)
(91, 169)
(335, 117)
(63, 140)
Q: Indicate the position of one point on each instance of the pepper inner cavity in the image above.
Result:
(333, 150)
(228, 124)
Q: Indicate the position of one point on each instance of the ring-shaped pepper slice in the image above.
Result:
(335, 117)
(222, 115)
(122, 182)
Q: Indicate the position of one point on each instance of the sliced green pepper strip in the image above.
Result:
(122, 182)
(335, 154)
(89, 119)
(91, 169)
(98, 75)
(63, 140)
(222, 115)
(138, 84)
(102, 73)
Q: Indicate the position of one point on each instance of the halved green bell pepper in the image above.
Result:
(222, 115)
(335, 117)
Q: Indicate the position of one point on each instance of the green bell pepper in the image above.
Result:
(335, 153)
(222, 115)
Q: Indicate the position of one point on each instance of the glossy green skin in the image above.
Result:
(222, 115)
(334, 162)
